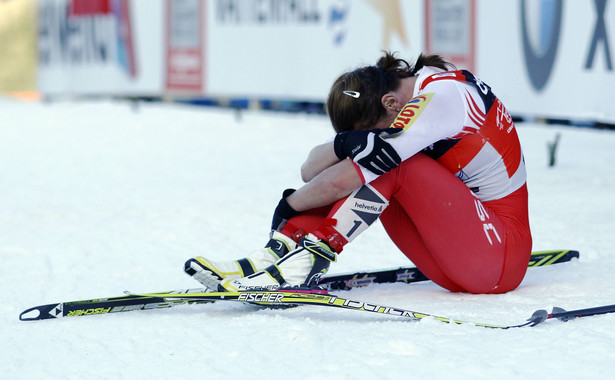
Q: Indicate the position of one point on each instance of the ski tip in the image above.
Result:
(32, 314)
(37, 313)
(573, 254)
(538, 317)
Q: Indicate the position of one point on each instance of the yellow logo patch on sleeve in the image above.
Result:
(411, 111)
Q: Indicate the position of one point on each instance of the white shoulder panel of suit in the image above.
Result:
(456, 109)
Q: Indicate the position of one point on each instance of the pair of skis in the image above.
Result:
(301, 296)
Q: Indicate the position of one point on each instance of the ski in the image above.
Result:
(347, 281)
(273, 298)
(128, 302)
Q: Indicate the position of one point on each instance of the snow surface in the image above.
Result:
(101, 197)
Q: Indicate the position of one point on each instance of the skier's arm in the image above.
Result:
(332, 184)
(366, 147)
(320, 158)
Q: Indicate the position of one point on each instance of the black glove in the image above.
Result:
(283, 212)
(368, 149)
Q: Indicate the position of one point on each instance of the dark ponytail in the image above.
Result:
(432, 60)
(354, 101)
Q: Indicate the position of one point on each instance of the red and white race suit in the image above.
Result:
(457, 206)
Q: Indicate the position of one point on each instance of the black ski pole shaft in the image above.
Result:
(564, 315)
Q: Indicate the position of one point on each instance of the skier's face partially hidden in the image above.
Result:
(394, 101)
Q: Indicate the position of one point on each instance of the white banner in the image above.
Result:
(549, 58)
(543, 58)
(100, 47)
(296, 49)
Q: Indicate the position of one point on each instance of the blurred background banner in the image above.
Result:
(549, 58)
(94, 47)
(296, 49)
(184, 45)
(544, 58)
(450, 30)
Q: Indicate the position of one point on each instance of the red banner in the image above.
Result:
(89, 7)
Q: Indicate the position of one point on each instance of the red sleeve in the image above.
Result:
(359, 171)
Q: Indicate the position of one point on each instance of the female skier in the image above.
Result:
(429, 150)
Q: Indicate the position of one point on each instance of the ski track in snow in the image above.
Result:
(99, 197)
